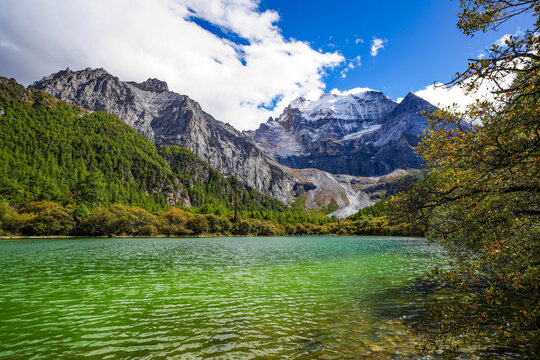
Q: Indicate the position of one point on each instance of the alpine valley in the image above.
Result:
(339, 153)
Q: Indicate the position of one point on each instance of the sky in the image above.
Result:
(246, 60)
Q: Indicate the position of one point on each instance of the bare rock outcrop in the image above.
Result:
(168, 118)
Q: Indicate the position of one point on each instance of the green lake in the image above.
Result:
(220, 298)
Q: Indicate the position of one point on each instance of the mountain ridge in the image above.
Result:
(51, 150)
(168, 118)
(332, 134)
(363, 134)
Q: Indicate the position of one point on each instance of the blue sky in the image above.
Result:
(246, 60)
(423, 44)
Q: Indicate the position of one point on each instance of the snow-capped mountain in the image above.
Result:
(305, 123)
(362, 133)
(363, 104)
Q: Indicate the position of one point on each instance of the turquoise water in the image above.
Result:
(222, 298)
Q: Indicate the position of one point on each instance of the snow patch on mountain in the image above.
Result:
(299, 103)
(359, 134)
(361, 105)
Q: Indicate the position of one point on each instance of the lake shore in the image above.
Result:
(37, 237)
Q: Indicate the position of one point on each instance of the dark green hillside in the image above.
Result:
(209, 190)
(53, 151)
(50, 150)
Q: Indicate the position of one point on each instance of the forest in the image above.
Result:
(67, 171)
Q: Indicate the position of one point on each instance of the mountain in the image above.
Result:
(54, 151)
(167, 118)
(363, 134)
(345, 195)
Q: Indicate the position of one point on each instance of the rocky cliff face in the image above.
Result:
(168, 118)
(361, 134)
(348, 194)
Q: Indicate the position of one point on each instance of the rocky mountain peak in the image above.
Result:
(412, 100)
(65, 84)
(168, 118)
(298, 103)
(85, 74)
(153, 85)
(357, 132)
(411, 105)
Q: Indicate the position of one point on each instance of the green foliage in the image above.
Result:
(481, 196)
(52, 151)
(81, 212)
(37, 218)
(378, 209)
(198, 224)
(374, 220)
(173, 222)
(47, 218)
(119, 220)
(293, 215)
(66, 155)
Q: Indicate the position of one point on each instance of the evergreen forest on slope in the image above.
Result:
(67, 171)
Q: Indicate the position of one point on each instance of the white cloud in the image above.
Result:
(502, 41)
(376, 45)
(443, 96)
(357, 90)
(357, 61)
(7, 44)
(233, 73)
(359, 41)
(344, 72)
(506, 37)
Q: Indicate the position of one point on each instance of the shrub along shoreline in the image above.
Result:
(47, 219)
